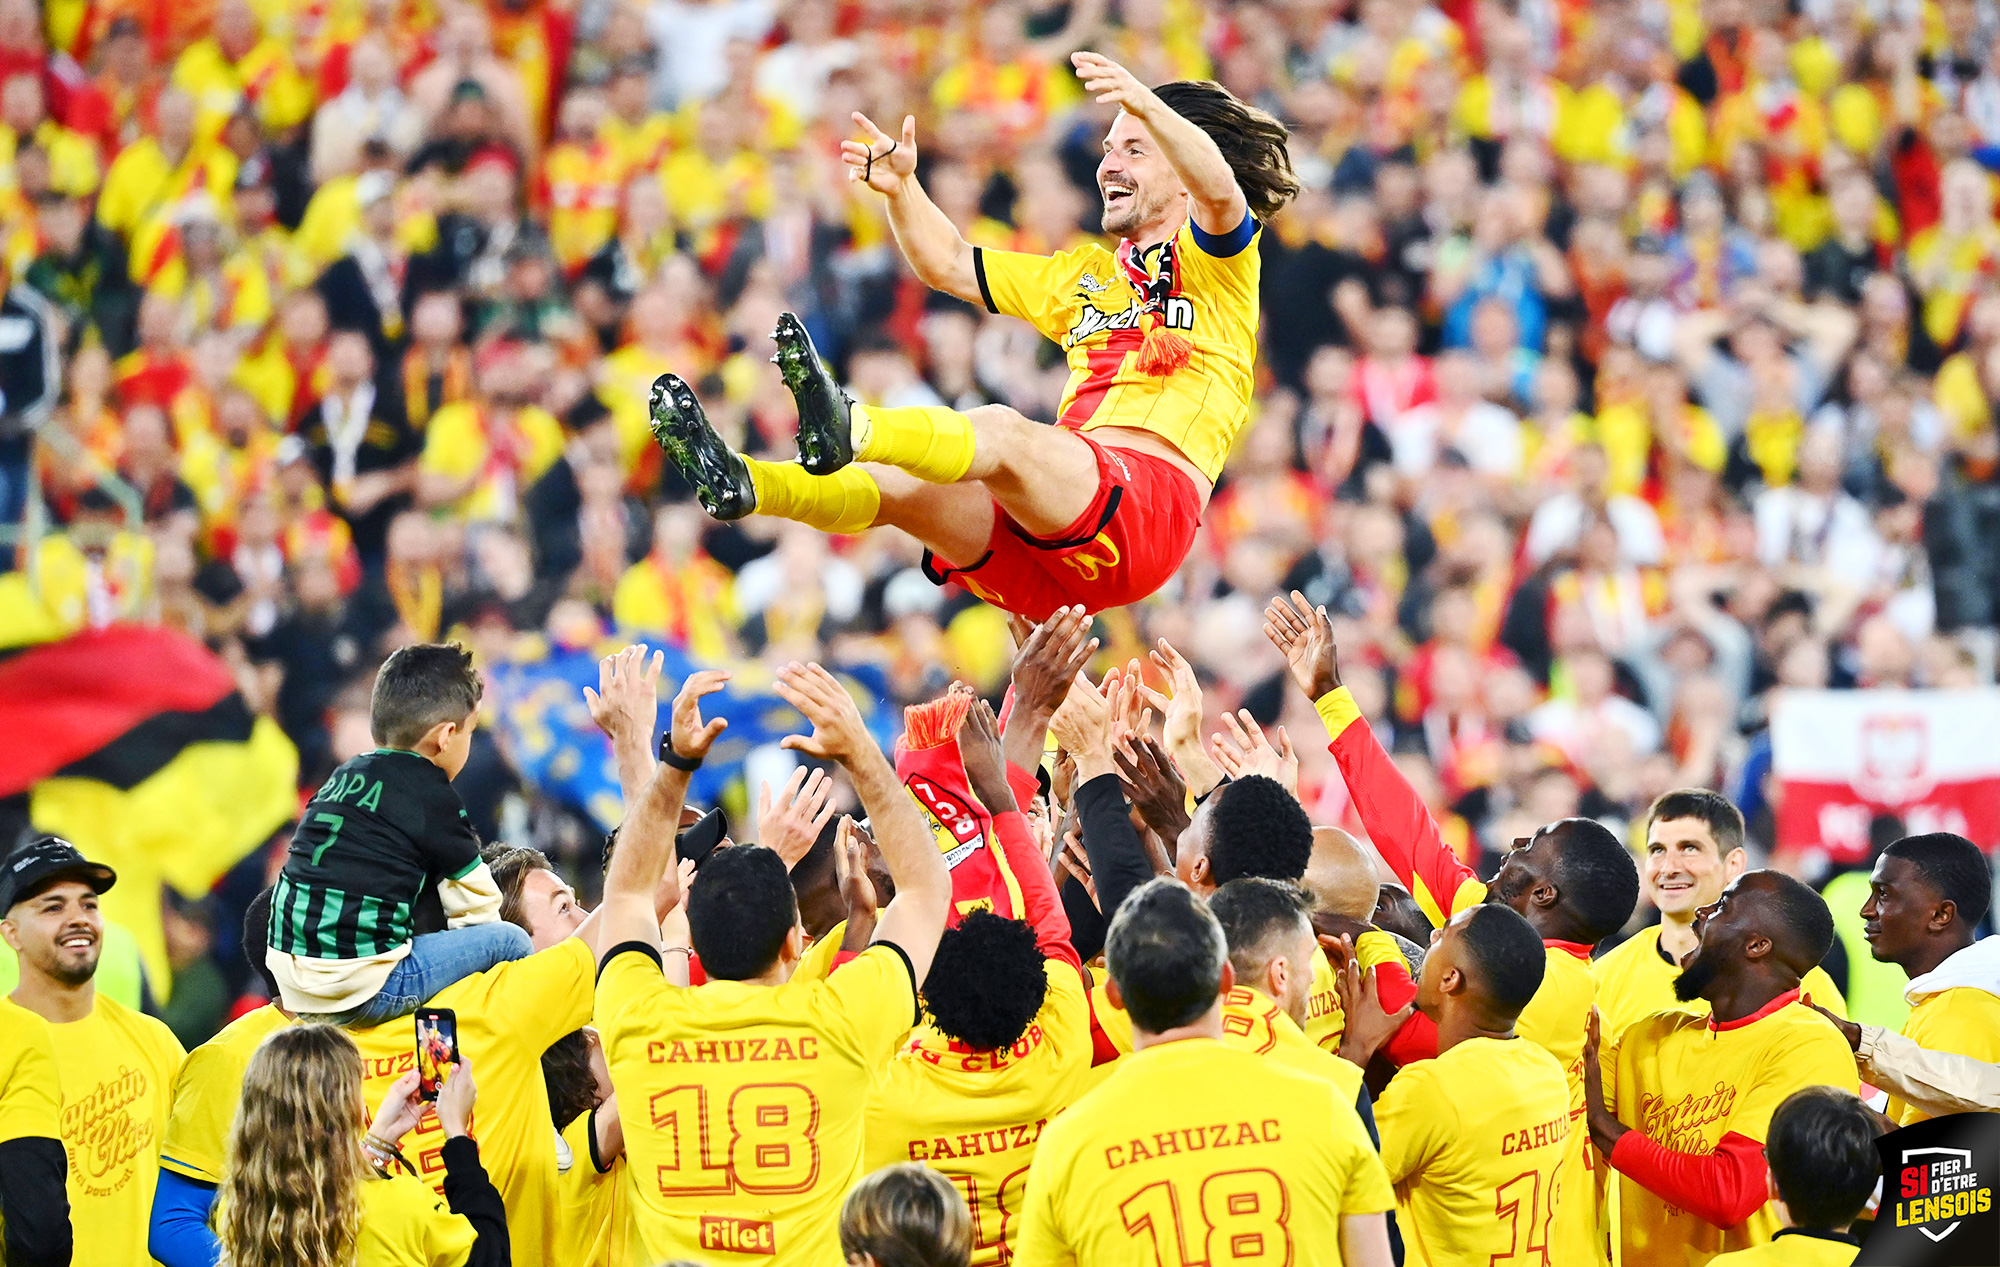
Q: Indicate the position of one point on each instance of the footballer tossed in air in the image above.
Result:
(1160, 334)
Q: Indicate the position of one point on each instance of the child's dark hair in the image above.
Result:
(420, 686)
(1821, 1150)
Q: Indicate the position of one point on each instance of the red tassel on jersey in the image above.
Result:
(1163, 351)
(935, 724)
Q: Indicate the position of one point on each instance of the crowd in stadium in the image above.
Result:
(1620, 368)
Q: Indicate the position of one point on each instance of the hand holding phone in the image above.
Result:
(454, 1103)
(437, 1049)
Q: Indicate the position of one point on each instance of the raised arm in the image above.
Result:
(626, 707)
(1215, 201)
(940, 257)
(1047, 659)
(1399, 824)
(1118, 861)
(644, 861)
(986, 770)
(915, 918)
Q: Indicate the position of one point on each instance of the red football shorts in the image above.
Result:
(1128, 544)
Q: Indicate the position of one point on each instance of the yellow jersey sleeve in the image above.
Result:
(196, 1141)
(1039, 289)
(818, 962)
(1367, 1189)
(404, 1223)
(30, 1091)
(1965, 1020)
(1415, 1120)
(628, 981)
(877, 994)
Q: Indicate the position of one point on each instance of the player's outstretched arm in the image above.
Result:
(915, 919)
(887, 164)
(625, 706)
(1399, 824)
(1215, 201)
(644, 861)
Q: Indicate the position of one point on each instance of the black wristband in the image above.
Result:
(671, 758)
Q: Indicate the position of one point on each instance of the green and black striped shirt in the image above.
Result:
(385, 827)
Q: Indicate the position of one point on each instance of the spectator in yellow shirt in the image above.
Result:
(481, 455)
(677, 592)
(158, 170)
(240, 64)
(216, 290)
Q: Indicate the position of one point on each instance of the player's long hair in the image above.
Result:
(292, 1194)
(1251, 141)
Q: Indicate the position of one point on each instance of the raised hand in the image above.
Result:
(1154, 784)
(850, 864)
(1848, 1029)
(1113, 85)
(790, 824)
(881, 161)
(1368, 1026)
(985, 760)
(626, 703)
(1244, 750)
(402, 1108)
(1083, 726)
(1048, 660)
(838, 731)
(1604, 1126)
(1305, 635)
(691, 737)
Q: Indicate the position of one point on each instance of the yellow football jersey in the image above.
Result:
(507, 1017)
(405, 1224)
(30, 1090)
(1636, 979)
(1472, 1142)
(206, 1094)
(743, 1104)
(596, 1226)
(117, 1068)
(1198, 1152)
(1795, 1248)
(1252, 1022)
(1085, 300)
(975, 1116)
(1965, 1020)
(1686, 1082)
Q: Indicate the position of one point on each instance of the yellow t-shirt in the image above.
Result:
(742, 1103)
(1797, 1249)
(596, 1227)
(210, 1085)
(117, 1068)
(1472, 1142)
(405, 1224)
(456, 444)
(1634, 980)
(507, 1017)
(1252, 1022)
(1686, 1083)
(1965, 1020)
(30, 1091)
(1197, 1152)
(975, 1116)
(1083, 300)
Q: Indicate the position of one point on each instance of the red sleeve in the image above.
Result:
(1416, 1040)
(1102, 1050)
(1725, 1186)
(1398, 822)
(1041, 904)
(1394, 987)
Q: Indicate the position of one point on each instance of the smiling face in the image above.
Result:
(1141, 192)
(1684, 868)
(58, 932)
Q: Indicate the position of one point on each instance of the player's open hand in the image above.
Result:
(1154, 784)
(1113, 85)
(878, 160)
(1050, 656)
(789, 825)
(857, 890)
(1305, 634)
(691, 737)
(626, 703)
(838, 733)
(1242, 749)
(985, 760)
(1368, 1025)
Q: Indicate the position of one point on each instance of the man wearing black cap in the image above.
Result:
(116, 1067)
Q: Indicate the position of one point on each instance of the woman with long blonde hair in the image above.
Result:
(305, 1184)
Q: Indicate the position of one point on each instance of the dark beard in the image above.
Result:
(1700, 973)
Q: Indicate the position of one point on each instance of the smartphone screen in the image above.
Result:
(437, 1048)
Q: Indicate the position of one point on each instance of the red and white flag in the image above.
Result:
(1931, 758)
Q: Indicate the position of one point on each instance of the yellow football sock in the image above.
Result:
(844, 502)
(931, 442)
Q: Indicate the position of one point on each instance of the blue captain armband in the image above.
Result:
(1224, 245)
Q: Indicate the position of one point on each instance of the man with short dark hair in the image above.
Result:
(1694, 846)
(1681, 1104)
(1474, 1139)
(1926, 897)
(1823, 1168)
(753, 1128)
(1190, 1141)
